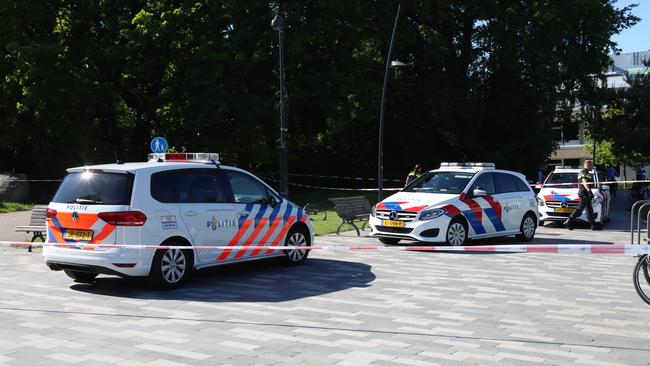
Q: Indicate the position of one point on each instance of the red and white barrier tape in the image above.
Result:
(539, 185)
(632, 249)
(335, 188)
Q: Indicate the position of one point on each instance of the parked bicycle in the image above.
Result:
(642, 278)
(315, 212)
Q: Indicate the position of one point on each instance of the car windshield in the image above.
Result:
(563, 177)
(440, 182)
(95, 189)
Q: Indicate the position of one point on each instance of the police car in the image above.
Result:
(456, 202)
(558, 196)
(174, 199)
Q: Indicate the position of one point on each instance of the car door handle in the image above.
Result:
(190, 213)
(243, 212)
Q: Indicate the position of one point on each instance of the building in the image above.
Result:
(571, 150)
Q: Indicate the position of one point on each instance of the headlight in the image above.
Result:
(540, 201)
(373, 211)
(431, 214)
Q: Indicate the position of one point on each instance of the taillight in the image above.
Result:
(123, 218)
(49, 214)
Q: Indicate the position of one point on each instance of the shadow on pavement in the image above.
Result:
(261, 281)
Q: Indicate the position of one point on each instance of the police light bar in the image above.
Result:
(567, 167)
(466, 165)
(197, 157)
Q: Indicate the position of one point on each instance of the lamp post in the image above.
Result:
(380, 155)
(278, 25)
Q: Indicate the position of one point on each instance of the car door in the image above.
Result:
(207, 212)
(510, 199)
(489, 208)
(259, 215)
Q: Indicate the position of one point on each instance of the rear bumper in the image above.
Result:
(117, 261)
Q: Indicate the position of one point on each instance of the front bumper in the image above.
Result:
(548, 214)
(115, 261)
(432, 231)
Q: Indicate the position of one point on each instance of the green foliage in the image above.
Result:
(92, 81)
(14, 207)
(626, 122)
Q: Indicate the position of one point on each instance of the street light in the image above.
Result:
(389, 63)
(278, 25)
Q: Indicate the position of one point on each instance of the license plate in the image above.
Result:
(393, 223)
(564, 210)
(78, 235)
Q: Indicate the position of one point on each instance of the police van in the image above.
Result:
(174, 199)
(558, 197)
(457, 202)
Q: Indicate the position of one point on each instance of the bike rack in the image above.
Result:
(640, 204)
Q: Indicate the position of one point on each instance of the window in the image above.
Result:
(483, 182)
(440, 182)
(521, 185)
(189, 186)
(247, 189)
(505, 183)
(95, 188)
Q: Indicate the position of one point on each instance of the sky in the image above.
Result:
(636, 38)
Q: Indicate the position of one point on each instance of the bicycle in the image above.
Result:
(642, 268)
(315, 212)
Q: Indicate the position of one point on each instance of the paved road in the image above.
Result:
(340, 308)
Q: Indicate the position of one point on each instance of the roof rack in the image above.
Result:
(185, 157)
(467, 165)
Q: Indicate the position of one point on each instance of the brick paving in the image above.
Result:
(340, 308)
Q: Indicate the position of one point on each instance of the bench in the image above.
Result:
(351, 209)
(36, 225)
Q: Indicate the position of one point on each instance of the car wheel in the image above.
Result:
(527, 228)
(81, 277)
(456, 232)
(298, 237)
(170, 267)
(389, 241)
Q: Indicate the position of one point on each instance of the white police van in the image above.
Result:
(174, 199)
(457, 202)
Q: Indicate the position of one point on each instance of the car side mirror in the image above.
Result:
(479, 192)
(272, 201)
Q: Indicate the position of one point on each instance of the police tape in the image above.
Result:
(343, 177)
(575, 184)
(630, 249)
(335, 188)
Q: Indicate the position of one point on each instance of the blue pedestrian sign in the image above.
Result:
(158, 145)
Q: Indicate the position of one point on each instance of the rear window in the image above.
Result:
(95, 188)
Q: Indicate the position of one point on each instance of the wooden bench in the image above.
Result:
(351, 209)
(36, 225)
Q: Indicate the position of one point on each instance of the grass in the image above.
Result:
(6, 207)
(302, 196)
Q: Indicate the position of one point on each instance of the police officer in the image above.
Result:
(414, 174)
(586, 196)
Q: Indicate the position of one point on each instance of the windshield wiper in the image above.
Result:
(88, 202)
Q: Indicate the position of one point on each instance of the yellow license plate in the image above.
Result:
(564, 210)
(78, 235)
(393, 223)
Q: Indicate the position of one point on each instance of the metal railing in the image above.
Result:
(636, 209)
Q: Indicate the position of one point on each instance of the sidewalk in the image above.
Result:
(8, 223)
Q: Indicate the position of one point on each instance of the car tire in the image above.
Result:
(527, 228)
(298, 236)
(170, 267)
(81, 277)
(456, 234)
(389, 241)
